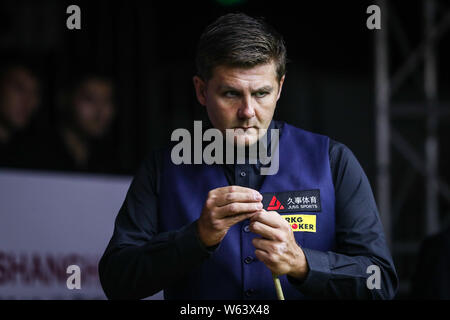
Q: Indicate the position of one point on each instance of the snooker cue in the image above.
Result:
(278, 288)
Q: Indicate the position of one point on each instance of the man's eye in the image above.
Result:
(261, 94)
(231, 94)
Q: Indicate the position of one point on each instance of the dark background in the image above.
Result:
(148, 48)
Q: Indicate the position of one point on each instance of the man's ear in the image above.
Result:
(280, 86)
(200, 90)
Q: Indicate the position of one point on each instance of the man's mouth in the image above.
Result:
(244, 128)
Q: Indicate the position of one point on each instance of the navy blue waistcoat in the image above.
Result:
(227, 274)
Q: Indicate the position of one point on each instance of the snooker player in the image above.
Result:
(219, 231)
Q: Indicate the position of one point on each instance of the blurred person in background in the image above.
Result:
(80, 140)
(19, 99)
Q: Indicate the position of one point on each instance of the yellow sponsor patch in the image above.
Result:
(301, 222)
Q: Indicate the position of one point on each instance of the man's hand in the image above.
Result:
(225, 207)
(277, 248)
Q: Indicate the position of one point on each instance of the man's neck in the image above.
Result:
(77, 146)
(5, 134)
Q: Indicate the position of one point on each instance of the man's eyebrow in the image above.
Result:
(265, 88)
(228, 87)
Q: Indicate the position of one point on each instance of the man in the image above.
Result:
(19, 99)
(211, 232)
(86, 115)
(78, 142)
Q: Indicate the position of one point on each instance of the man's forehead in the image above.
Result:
(257, 76)
(96, 85)
(21, 74)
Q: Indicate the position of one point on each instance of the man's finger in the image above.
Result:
(262, 244)
(237, 208)
(264, 230)
(238, 218)
(232, 189)
(264, 257)
(270, 218)
(227, 198)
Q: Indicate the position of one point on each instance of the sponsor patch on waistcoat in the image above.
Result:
(292, 201)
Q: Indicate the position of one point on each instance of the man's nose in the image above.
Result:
(246, 110)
